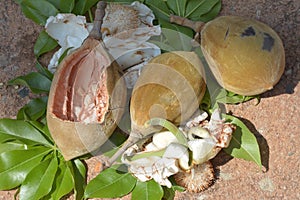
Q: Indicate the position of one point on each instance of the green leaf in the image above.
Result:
(243, 143)
(65, 53)
(227, 97)
(63, 183)
(44, 71)
(38, 181)
(64, 6)
(159, 8)
(169, 193)
(172, 32)
(147, 154)
(34, 110)
(178, 6)
(18, 129)
(171, 127)
(212, 13)
(47, 134)
(43, 129)
(37, 82)
(122, 1)
(78, 171)
(195, 8)
(110, 183)
(80, 167)
(82, 6)
(44, 44)
(16, 164)
(38, 10)
(149, 190)
(12, 145)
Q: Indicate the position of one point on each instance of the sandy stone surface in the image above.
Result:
(275, 120)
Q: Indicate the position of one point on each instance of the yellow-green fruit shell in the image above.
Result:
(245, 56)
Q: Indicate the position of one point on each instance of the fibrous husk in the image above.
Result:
(86, 99)
(199, 178)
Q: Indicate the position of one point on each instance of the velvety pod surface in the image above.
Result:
(246, 56)
(170, 86)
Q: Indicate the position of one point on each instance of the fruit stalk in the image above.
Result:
(132, 139)
(195, 25)
(98, 21)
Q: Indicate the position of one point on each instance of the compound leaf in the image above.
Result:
(38, 181)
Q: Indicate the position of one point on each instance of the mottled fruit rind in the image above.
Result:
(171, 86)
(86, 100)
(246, 56)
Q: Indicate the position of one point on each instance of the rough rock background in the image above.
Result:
(275, 121)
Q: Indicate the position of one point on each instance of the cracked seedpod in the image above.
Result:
(171, 86)
(246, 56)
(199, 178)
(87, 96)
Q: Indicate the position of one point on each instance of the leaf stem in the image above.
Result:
(91, 16)
(137, 156)
(171, 127)
(195, 25)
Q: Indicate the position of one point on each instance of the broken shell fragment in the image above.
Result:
(125, 29)
(199, 178)
(86, 100)
(159, 165)
(165, 156)
(161, 140)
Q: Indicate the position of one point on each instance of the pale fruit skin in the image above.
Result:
(246, 56)
(72, 136)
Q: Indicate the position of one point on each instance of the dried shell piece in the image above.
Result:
(199, 178)
(126, 28)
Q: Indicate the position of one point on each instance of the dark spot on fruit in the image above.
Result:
(268, 42)
(248, 32)
(226, 34)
